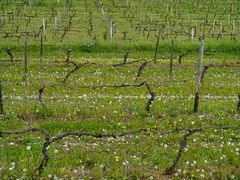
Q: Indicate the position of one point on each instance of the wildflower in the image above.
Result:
(125, 163)
(117, 158)
(28, 148)
(75, 171)
(179, 170)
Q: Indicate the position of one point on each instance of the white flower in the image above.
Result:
(56, 151)
(179, 170)
(75, 171)
(28, 148)
(49, 176)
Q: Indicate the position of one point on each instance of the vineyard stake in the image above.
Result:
(1, 99)
(199, 73)
(25, 58)
(171, 61)
(238, 104)
(156, 50)
(55, 27)
(111, 29)
(44, 28)
(41, 44)
(193, 34)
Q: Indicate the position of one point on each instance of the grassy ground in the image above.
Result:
(209, 154)
(77, 106)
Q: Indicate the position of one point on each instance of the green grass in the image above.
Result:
(141, 156)
(210, 154)
(223, 49)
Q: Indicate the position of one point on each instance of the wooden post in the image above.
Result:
(171, 61)
(55, 27)
(213, 27)
(234, 27)
(44, 29)
(9, 52)
(238, 104)
(229, 21)
(193, 34)
(1, 99)
(104, 17)
(41, 44)
(156, 50)
(199, 74)
(111, 29)
(221, 29)
(86, 5)
(25, 58)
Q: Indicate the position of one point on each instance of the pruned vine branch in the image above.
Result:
(49, 140)
(183, 142)
(9, 52)
(144, 83)
(77, 67)
(151, 99)
(141, 68)
(204, 71)
(69, 51)
(128, 63)
(120, 86)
